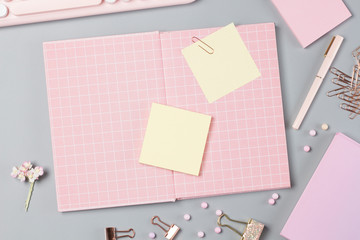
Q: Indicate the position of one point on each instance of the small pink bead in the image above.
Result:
(201, 234)
(271, 201)
(307, 148)
(204, 205)
(218, 230)
(312, 132)
(275, 196)
(152, 235)
(187, 217)
(219, 212)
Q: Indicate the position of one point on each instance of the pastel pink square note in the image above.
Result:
(311, 19)
(329, 207)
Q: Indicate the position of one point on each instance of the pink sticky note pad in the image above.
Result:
(311, 19)
(329, 207)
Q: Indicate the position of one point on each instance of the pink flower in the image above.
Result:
(39, 171)
(15, 172)
(25, 166)
(21, 177)
(27, 172)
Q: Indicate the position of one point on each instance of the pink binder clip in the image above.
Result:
(252, 230)
(172, 230)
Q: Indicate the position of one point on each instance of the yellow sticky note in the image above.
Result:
(229, 67)
(175, 139)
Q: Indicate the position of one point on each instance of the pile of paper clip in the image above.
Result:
(348, 87)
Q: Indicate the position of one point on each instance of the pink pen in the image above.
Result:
(329, 58)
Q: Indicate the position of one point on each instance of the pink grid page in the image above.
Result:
(100, 92)
(246, 148)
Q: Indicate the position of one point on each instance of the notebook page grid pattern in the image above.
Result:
(246, 148)
(99, 93)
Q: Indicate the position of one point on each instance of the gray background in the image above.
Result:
(25, 131)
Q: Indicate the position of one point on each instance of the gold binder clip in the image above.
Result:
(111, 233)
(252, 231)
(204, 43)
(172, 230)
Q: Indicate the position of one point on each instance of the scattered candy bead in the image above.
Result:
(271, 201)
(187, 217)
(204, 205)
(307, 148)
(201, 234)
(313, 133)
(324, 127)
(275, 196)
(218, 230)
(152, 235)
(219, 212)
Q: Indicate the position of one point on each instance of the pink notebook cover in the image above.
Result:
(100, 91)
(311, 19)
(329, 207)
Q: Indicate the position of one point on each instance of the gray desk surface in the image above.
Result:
(25, 131)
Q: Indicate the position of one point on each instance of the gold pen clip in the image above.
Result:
(327, 50)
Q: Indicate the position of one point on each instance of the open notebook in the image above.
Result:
(100, 92)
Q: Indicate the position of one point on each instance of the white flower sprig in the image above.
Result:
(27, 172)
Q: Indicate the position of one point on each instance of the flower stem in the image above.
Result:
(29, 196)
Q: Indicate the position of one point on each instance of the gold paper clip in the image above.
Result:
(111, 233)
(344, 86)
(348, 87)
(252, 231)
(172, 230)
(356, 55)
(354, 110)
(198, 39)
(355, 76)
(339, 73)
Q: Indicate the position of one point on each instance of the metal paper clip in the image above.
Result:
(204, 43)
(353, 109)
(111, 233)
(339, 73)
(355, 77)
(344, 87)
(356, 55)
(252, 231)
(170, 232)
(348, 90)
(348, 87)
